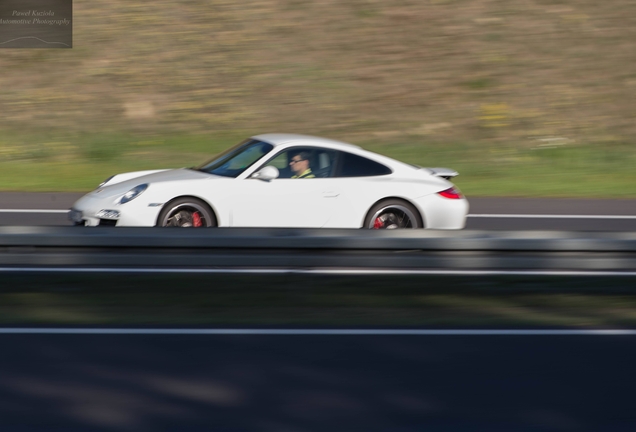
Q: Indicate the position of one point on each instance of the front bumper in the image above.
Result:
(92, 210)
(76, 216)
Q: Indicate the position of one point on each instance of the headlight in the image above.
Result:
(105, 181)
(133, 193)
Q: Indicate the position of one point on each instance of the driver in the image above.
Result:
(299, 165)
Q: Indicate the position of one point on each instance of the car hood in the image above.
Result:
(118, 178)
(124, 182)
(157, 176)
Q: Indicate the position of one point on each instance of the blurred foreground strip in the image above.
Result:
(319, 271)
(315, 301)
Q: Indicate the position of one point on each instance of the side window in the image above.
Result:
(280, 161)
(319, 161)
(323, 163)
(357, 166)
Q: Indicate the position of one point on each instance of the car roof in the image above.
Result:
(277, 139)
(280, 139)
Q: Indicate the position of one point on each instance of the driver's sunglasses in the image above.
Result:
(296, 160)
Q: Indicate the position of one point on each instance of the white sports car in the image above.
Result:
(281, 180)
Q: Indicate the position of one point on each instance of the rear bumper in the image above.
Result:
(443, 213)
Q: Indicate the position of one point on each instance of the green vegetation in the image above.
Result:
(546, 169)
(524, 98)
(81, 162)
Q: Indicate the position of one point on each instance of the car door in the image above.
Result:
(286, 201)
(360, 184)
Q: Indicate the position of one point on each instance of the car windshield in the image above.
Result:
(237, 159)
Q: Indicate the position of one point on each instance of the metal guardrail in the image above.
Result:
(316, 248)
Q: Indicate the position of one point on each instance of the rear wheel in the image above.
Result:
(187, 213)
(393, 214)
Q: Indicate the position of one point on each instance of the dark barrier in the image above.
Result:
(238, 248)
(291, 277)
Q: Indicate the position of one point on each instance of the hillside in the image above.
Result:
(442, 68)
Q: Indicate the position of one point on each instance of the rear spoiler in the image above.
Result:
(445, 173)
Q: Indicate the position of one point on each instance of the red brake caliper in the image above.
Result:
(378, 223)
(196, 220)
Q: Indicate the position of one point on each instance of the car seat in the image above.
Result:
(323, 167)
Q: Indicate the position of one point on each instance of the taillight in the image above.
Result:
(452, 193)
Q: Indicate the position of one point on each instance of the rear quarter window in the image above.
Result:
(357, 166)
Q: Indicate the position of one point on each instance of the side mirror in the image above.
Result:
(268, 173)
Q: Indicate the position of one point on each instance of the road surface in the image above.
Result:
(316, 383)
(485, 213)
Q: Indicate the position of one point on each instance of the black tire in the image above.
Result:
(186, 213)
(393, 214)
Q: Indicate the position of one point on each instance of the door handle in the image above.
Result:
(330, 194)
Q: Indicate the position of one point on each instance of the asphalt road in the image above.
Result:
(485, 213)
(316, 383)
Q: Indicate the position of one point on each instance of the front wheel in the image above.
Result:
(187, 213)
(392, 214)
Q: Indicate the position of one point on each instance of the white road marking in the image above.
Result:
(548, 216)
(31, 211)
(494, 216)
(317, 271)
(314, 332)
